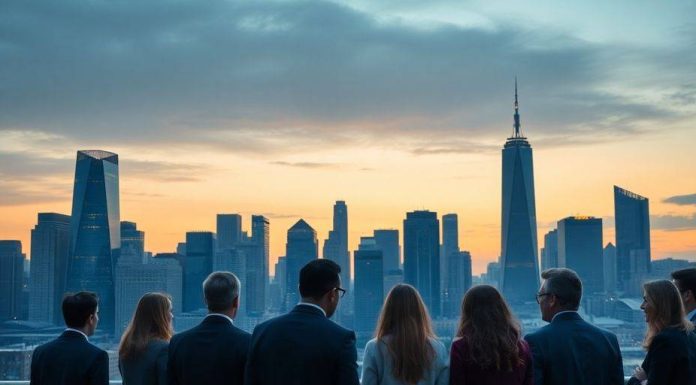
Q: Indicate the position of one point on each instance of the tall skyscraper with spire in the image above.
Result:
(518, 259)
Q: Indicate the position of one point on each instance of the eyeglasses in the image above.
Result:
(539, 296)
(341, 292)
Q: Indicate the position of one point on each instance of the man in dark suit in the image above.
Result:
(569, 350)
(685, 280)
(304, 347)
(215, 351)
(70, 359)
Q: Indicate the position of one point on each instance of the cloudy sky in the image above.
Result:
(280, 108)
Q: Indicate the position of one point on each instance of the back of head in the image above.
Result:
(491, 332)
(151, 320)
(78, 307)
(318, 277)
(664, 308)
(405, 327)
(565, 285)
(221, 290)
(686, 280)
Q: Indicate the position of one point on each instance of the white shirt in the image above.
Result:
(78, 331)
(220, 315)
(562, 312)
(313, 305)
(691, 314)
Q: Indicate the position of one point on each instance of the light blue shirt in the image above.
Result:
(377, 365)
(691, 315)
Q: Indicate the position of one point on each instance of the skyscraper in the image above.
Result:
(549, 255)
(450, 247)
(458, 282)
(132, 243)
(50, 246)
(198, 265)
(95, 230)
(257, 266)
(11, 279)
(580, 249)
(632, 215)
(610, 268)
(336, 245)
(229, 230)
(422, 256)
(369, 288)
(387, 240)
(300, 249)
(519, 269)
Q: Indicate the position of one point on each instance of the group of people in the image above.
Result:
(305, 347)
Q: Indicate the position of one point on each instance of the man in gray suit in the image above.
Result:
(685, 280)
(569, 350)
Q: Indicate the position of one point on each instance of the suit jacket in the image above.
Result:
(69, 360)
(571, 351)
(302, 347)
(671, 359)
(464, 371)
(212, 353)
(147, 368)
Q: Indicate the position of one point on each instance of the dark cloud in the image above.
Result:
(673, 222)
(269, 76)
(682, 200)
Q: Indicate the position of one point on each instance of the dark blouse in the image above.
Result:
(148, 368)
(671, 358)
(464, 371)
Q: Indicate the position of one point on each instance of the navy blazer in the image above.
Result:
(69, 360)
(571, 351)
(671, 359)
(212, 353)
(302, 347)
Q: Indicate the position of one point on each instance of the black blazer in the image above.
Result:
(148, 367)
(671, 359)
(69, 360)
(212, 353)
(302, 347)
(571, 351)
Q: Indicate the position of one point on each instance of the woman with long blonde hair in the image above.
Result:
(142, 354)
(405, 350)
(669, 340)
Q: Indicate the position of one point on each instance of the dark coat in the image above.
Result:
(69, 360)
(212, 353)
(671, 359)
(302, 347)
(147, 368)
(464, 371)
(571, 351)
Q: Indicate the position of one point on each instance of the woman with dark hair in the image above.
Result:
(488, 349)
(670, 340)
(142, 355)
(405, 350)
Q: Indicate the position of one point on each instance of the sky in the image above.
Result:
(280, 108)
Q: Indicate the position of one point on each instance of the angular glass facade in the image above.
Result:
(580, 248)
(632, 214)
(422, 256)
(198, 264)
(96, 230)
(300, 249)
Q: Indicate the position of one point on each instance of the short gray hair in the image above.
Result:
(565, 285)
(221, 288)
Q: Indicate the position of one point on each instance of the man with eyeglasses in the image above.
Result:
(569, 350)
(305, 347)
(685, 280)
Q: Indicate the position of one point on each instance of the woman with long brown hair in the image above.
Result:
(670, 340)
(405, 351)
(488, 348)
(142, 355)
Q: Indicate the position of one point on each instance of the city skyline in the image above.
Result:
(398, 120)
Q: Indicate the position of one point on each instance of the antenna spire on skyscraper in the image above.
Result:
(517, 114)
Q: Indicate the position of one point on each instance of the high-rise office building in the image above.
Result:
(422, 256)
(279, 279)
(132, 243)
(300, 249)
(519, 269)
(257, 267)
(200, 246)
(369, 287)
(95, 230)
(50, 246)
(549, 254)
(458, 282)
(11, 279)
(387, 240)
(580, 249)
(229, 230)
(449, 250)
(336, 245)
(632, 216)
(609, 268)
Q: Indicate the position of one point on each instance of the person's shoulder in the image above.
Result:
(157, 344)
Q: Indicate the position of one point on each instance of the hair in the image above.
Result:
(151, 321)
(220, 289)
(78, 307)
(666, 309)
(405, 321)
(318, 277)
(490, 330)
(565, 285)
(685, 279)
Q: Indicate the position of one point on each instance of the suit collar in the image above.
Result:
(74, 333)
(566, 316)
(307, 308)
(216, 321)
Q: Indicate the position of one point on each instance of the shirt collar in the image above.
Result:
(220, 315)
(563, 312)
(691, 314)
(77, 331)
(313, 305)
